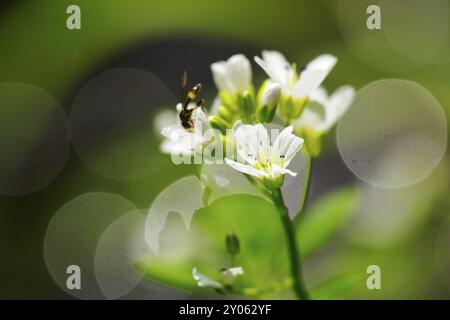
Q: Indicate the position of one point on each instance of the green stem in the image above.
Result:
(307, 179)
(294, 254)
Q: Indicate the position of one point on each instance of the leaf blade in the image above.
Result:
(324, 219)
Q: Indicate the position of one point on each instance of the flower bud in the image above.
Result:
(219, 123)
(269, 101)
(234, 75)
(225, 113)
(272, 183)
(232, 243)
(313, 141)
(272, 95)
(291, 108)
(247, 106)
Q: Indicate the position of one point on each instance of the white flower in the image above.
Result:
(231, 273)
(263, 159)
(165, 118)
(234, 75)
(323, 111)
(178, 140)
(203, 281)
(272, 94)
(298, 86)
(215, 106)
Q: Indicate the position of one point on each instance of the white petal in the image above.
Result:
(239, 72)
(271, 95)
(313, 117)
(316, 71)
(200, 118)
(266, 69)
(184, 145)
(231, 273)
(220, 76)
(277, 170)
(215, 106)
(323, 62)
(280, 67)
(319, 95)
(293, 146)
(165, 118)
(167, 146)
(321, 117)
(285, 147)
(276, 150)
(245, 168)
(233, 75)
(338, 104)
(272, 75)
(258, 139)
(275, 58)
(263, 143)
(253, 143)
(174, 132)
(309, 81)
(204, 281)
(246, 140)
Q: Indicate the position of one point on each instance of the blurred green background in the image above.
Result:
(166, 37)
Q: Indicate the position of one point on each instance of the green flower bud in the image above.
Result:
(272, 95)
(219, 123)
(247, 106)
(232, 243)
(226, 114)
(291, 108)
(228, 100)
(313, 141)
(269, 101)
(273, 182)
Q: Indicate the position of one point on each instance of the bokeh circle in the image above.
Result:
(410, 33)
(121, 246)
(371, 46)
(111, 123)
(72, 237)
(34, 138)
(417, 29)
(394, 134)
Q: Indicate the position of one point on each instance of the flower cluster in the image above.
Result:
(290, 97)
(265, 128)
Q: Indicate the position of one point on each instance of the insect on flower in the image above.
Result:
(187, 103)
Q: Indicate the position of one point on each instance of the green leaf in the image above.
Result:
(262, 254)
(167, 273)
(324, 218)
(337, 286)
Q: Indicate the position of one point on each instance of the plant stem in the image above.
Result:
(307, 179)
(294, 254)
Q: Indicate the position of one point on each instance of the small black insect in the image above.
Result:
(186, 97)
